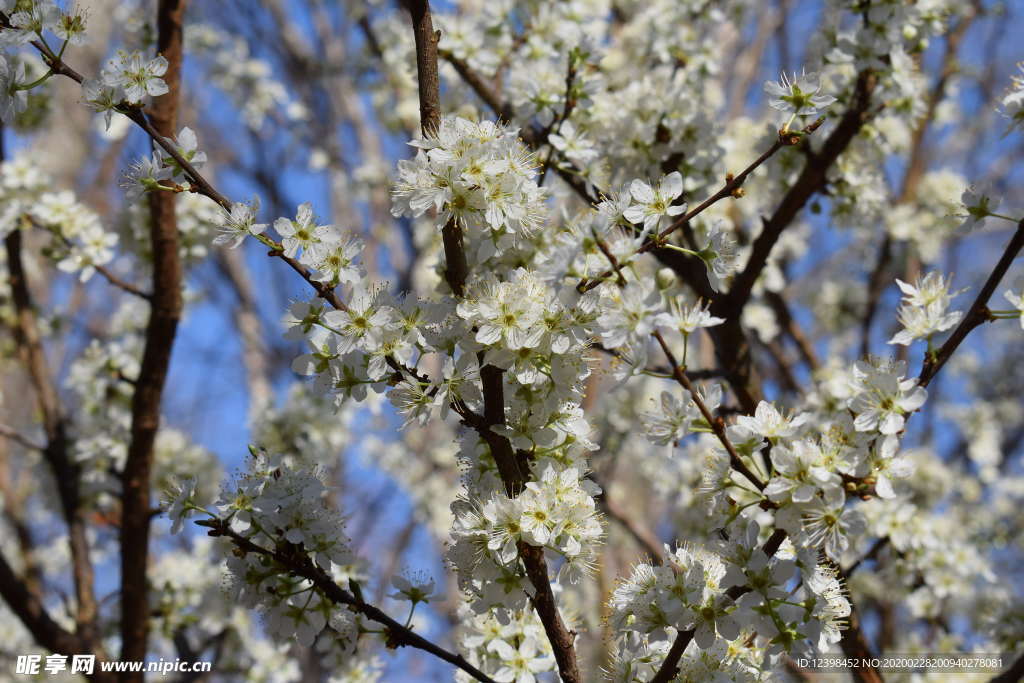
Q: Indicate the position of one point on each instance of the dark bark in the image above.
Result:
(165, 312)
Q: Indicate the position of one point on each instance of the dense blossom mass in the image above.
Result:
(643, 360)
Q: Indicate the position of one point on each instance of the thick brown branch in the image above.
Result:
(670, 666)
(165, 312)
(562, 639)
(426, 65)
(65, 472)
(47, 632)
(456, 271)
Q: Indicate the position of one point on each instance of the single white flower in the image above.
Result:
(180, 500)
(136, 76)
(187, 145)
(414, 588)
(884, 396)
(687, 319)
(303, 233)
(144, 176)
(653, 203)
(797, 96)
(13, 98)
(979, 202)
(239, 223)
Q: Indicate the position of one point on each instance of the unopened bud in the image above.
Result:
(665, 278)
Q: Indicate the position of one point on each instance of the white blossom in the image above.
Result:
(136, 76)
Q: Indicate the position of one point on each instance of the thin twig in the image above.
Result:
(978, 314)
(19, 438)
(717, 424)
(731, 188)
(300, 565)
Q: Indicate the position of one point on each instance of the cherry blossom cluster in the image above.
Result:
(247, 79)
(101, 381)
(511, 649)
(479, 176)
(925, 309)
(568, 239)
(277, 509)
(79, 241)
(733, 598)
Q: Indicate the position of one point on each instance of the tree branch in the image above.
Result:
(977, 314)
(717, 424)
(165, 312)
(65, 472)
(19, 438)
(397, 634)
(810, 181)
(27, 606)
(456, 271)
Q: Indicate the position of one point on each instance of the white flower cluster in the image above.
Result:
(477, 174)
(925, 309)
(932, 562)
(127, 78)
(557, 512)
(133, 76)
(101, 381)
(825, 472)
(512, 649)
(932, 216)
(283, 509)
(28, 21)
(815, 457)
(734, 598)
(324, 248)
(248, 80)
(80, 241)
(1013, 101)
